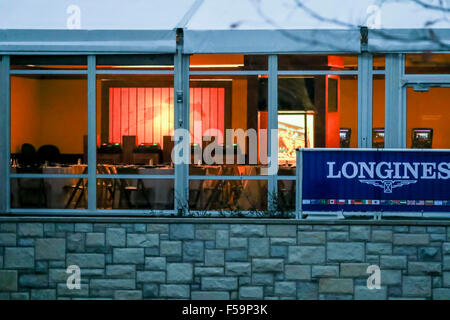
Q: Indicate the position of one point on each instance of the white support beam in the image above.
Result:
(395, 109)
(92, 134)
(365, 91)
(5, 124)
(272, 188)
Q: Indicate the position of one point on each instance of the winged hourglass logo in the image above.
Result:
(388, 185)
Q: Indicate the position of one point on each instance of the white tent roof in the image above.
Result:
(219, 26)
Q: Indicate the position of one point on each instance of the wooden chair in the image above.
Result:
(31, 192)
(79, 188)
(126, 189)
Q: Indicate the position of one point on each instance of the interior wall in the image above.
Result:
(25, 115)
(429, 110)
(349, 108)
(48, 111)
(239, 104)
(63, 104)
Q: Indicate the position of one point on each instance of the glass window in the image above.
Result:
(317, 111)
(135, 122)
(151, 194)
(48, 193)
(378, 111)
(379, 62)
(228, 125)
(427, 63)
(317, 62)
(203, 62)
(228, 195)
(427, 117)
(48, 123)
(53, 62)
(135, 62)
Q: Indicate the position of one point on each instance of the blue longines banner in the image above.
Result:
(376, 180)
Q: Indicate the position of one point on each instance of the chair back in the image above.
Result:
(48, 153)
(27, 155)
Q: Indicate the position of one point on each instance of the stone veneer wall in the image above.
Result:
(222, 259)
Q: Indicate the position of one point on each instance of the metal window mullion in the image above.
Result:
(136, 176)
(229, 73)
(59, 71)
(395, 111)
(136, 72)
(5, 134)
(92, 135)
(317, 72)
(181, 122)
(365, 91)
(46, 176)
(272, 184)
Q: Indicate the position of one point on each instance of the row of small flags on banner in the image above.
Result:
(378, 202)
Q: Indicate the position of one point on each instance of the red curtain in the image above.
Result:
(147, 113)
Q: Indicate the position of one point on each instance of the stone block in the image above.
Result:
(193, 251)
(50, 249)
(250, 293)
(8, 280)
(128, 255)
(354, 270)
(64, 291)
(7, 239)
(379, 248)
(306, 254)
(262, 279)
(281, 230)
(345, 252)
(247, 230)
(382, 236)
(174, 291)
(19, 258)
(339, 286)
(128, 295)
(214, 258)
(222, 239)
(237, 268)
(95, 240)
(121, 271)
(307, 290)
(43, 294)
(142, 240)
(325, 271)
(311, 237)
(359, 233)
(151, 276)
(181, 231)
(180, 273)
(416, 286)
(86, 260)
(268, 265)
(170, 248)
(31, 229)
(210, 295)
(393, 262)
(409, 239)
(115, 237)
(259, 247)
(285, 289)
(219, 283)
(155, 263)
(364, 293)
(297, 272)
(424, 268)
(113, 284)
